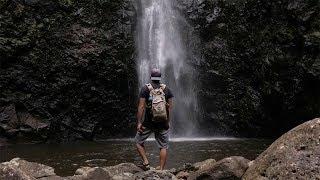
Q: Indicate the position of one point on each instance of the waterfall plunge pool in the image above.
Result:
(66, 158)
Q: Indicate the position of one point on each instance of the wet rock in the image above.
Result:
(182, 175)
(186, 168)
(295, 155)
(123, 176)
(9, 172)
(229, 168)
(173, 170)
(123, 168)
(83, 171)
(32, 169)
(97, 173)
(204, 164)
(154, 175)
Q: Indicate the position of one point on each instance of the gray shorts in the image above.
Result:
(161, 136)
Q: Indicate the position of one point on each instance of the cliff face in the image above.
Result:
(260, 68)
(68, 68)
(69, 64)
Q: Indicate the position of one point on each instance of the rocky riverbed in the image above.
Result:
(295, 155)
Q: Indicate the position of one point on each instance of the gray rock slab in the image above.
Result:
(295, 155)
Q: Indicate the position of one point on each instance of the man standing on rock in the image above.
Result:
(155, 101)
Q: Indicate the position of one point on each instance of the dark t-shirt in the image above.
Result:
(145, 93)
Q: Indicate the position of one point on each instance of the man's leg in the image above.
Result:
(162, 138)
(142, 152)
(163, 158)
(140, 138)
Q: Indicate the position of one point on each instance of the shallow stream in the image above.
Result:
(66, 158)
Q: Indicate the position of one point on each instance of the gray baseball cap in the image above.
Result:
(155, 74)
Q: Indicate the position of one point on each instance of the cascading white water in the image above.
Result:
(160, 43)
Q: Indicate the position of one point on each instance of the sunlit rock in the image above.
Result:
(9, 172)
(32, 169)
(295, 155)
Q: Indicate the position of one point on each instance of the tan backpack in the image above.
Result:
(159, 109)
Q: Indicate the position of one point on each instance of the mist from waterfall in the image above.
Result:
(161, 43)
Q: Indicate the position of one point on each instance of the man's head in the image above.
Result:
(155, 74)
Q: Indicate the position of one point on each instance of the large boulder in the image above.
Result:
(229, 168)
(9, 172)
(30, 168)
(295, 155)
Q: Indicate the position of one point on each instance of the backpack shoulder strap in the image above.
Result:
(162, 86)
(149, 87)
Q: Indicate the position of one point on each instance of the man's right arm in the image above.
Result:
(141, 108)
(169, 107)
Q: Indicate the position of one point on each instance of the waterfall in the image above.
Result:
(161, 42)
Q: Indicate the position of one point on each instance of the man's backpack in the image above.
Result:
(158, 107)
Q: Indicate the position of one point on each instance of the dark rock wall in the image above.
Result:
(70, 63)
(68, 66)
(261, 64)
